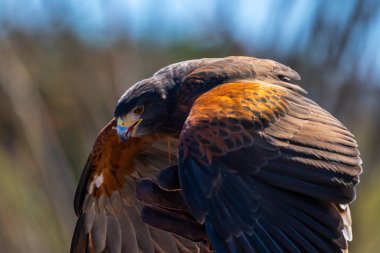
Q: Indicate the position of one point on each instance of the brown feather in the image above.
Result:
(279, 138)
(109, 215)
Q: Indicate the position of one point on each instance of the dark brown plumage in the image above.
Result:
(108, 213)
(260, 166)
(255, 146)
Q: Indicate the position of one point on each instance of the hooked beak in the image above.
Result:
(126, 126)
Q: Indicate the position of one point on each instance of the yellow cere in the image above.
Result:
(120, 122)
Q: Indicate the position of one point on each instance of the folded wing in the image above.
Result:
(268, 170)
(109, 218)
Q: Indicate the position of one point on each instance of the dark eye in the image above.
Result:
(139, 109)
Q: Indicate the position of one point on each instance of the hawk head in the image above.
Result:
(144, 107)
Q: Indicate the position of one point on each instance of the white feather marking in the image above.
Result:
(99, 180)
(347, 233)
(96, 182)
(163, 93)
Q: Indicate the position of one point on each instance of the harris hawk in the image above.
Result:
(108, 214)
(260, 167)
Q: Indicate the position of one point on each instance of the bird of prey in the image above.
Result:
(260, 167)
(108, 214)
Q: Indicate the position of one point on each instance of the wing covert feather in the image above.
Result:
(261, 163)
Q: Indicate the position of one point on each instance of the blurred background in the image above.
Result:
(64, 64)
